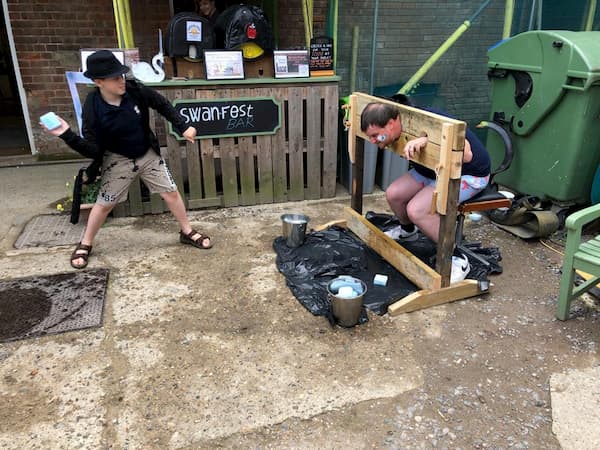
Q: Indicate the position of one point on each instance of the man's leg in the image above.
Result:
(419, 213)
(399, 193)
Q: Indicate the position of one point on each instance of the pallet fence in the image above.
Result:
(298, 162)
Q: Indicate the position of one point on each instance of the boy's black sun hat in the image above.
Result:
(103, 64)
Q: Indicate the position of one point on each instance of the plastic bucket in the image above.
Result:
(294, 229)
(346, 307)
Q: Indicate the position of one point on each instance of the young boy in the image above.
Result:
(117, 134)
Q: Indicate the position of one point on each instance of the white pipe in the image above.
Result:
(373, 46)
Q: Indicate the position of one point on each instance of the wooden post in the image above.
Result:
(357, 175)
(446, 202)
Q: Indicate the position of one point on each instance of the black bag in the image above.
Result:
(85, 175)
(239, 24)
(186, 25)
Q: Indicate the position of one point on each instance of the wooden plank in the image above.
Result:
(446, 196)
(353, 127)
(264, 161)
(157, 205)
(121, 209)
(313, 141)
(229, 171)
(208, 168)
(414, 122)
(205, 203)
(295, 150)
(279, 148)
(194, 171)
(174, 149)
(207, 157)
(135, 198)
(447, 234)
(194, 175)
(246, 164)
(342, 223)
(246, 152)
(485, 205)
(427, 298)
(330, 140)
(409, 265)
(443, 168)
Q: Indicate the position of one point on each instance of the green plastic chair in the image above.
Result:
(584, 257)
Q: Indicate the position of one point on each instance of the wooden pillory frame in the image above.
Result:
(443, 154)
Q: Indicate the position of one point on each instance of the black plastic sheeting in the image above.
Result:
(325, 255)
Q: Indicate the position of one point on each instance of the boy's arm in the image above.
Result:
(163, 106)
(86, 147)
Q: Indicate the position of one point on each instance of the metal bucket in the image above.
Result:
(346, 310)
(294, 229)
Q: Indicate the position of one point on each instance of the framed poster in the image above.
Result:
(127, 56)
(321, 56)
(224, 65)
(290, 63)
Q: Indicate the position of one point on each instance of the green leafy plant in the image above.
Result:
(89, 192)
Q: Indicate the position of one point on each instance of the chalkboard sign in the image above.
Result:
(321, 54)
(228, 118)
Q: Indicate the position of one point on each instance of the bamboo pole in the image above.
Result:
(354, 59)
(335, 33)
(118, 23)
(434, 58)
(128, 29)
(441, 50)
(373, 46)
(508, 18)
(591, 12)
(307, 26)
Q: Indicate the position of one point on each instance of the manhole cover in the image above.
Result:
(50, 304)
(50, 230)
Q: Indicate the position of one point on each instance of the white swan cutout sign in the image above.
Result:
(151, 74)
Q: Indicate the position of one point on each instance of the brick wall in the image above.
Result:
(49, 34)
(408, 33)
(291, 33)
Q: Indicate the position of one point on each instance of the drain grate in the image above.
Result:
(35, 306)
(50, 230)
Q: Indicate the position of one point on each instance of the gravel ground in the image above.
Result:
(210, 350)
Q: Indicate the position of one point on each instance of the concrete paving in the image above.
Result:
(209, 349)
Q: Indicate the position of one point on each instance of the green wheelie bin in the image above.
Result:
(546, 92)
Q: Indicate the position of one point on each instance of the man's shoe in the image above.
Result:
(460, 268)
(399, 233)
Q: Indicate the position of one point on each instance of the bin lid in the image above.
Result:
(557, 61)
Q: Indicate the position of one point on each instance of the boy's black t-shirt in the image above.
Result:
(121, 127)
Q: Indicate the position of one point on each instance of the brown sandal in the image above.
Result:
(84, 253)
(198, 243)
